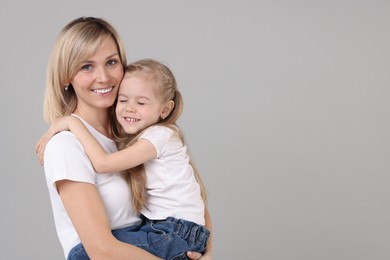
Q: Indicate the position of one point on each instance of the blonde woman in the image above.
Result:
(83, 77)
(167, 189)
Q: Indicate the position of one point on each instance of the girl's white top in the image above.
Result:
(65, 159)
(171, 185)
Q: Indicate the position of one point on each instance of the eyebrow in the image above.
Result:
(120, 94)
(138, 97)
(107, 58)
(143, 97)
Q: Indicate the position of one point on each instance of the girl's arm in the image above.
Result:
(102, 162)
(88, 215)
(60, 124)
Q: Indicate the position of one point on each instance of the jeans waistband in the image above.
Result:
(184, 228)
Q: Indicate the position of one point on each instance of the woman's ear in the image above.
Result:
(167, 109)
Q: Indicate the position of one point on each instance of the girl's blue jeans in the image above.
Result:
(168, 239)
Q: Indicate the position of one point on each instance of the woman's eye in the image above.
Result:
(86, 67)
(112, 62)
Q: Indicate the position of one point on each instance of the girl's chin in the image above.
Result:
(130, 131)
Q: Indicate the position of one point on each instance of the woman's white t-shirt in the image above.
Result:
(65, 159)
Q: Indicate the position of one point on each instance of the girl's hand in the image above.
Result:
(199, 256)
(41, 144)
(61, 124)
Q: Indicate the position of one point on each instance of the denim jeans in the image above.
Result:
(169, 239)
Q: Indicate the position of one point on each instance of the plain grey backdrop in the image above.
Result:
(286, 114)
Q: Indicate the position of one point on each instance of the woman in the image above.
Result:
(84, 72)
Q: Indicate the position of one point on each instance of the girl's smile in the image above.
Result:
(138, 107)
(130, 119)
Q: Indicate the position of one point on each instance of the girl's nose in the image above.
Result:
(129, 109)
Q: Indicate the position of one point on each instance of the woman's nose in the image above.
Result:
(102, 75)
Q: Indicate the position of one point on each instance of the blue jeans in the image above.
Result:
(168, 239)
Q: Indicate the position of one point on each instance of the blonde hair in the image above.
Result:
(166, 88)
(77, 41)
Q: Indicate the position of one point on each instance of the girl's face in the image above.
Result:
(97, 81)
(138, 105)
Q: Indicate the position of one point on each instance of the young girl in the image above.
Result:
(167, 189)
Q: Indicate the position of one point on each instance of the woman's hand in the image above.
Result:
(198, 256)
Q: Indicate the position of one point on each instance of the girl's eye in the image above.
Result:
(122, 100)
(112, 62)
(141, 103)
(86, 67)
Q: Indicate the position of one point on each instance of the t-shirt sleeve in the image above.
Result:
(65, 159)
(163, 138)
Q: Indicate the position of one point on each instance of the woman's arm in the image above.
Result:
(208, 253)
(209, 225)
(87, 213)
(102, 162)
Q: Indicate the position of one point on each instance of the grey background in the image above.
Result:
(286, 114)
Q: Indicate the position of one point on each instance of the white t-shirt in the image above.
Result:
(171, 185)
(65, 159)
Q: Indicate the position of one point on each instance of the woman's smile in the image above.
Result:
(103, 90)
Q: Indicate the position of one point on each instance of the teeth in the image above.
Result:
(131, 119)
(102, 91)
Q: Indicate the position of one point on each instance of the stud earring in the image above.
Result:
(67, 87)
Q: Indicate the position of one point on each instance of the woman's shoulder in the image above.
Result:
(63, 141)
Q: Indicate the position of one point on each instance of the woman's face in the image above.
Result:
(96, 83)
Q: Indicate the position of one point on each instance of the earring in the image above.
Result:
(66, 88)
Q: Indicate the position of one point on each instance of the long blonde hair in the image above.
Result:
(77, 41)
(166, 90)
